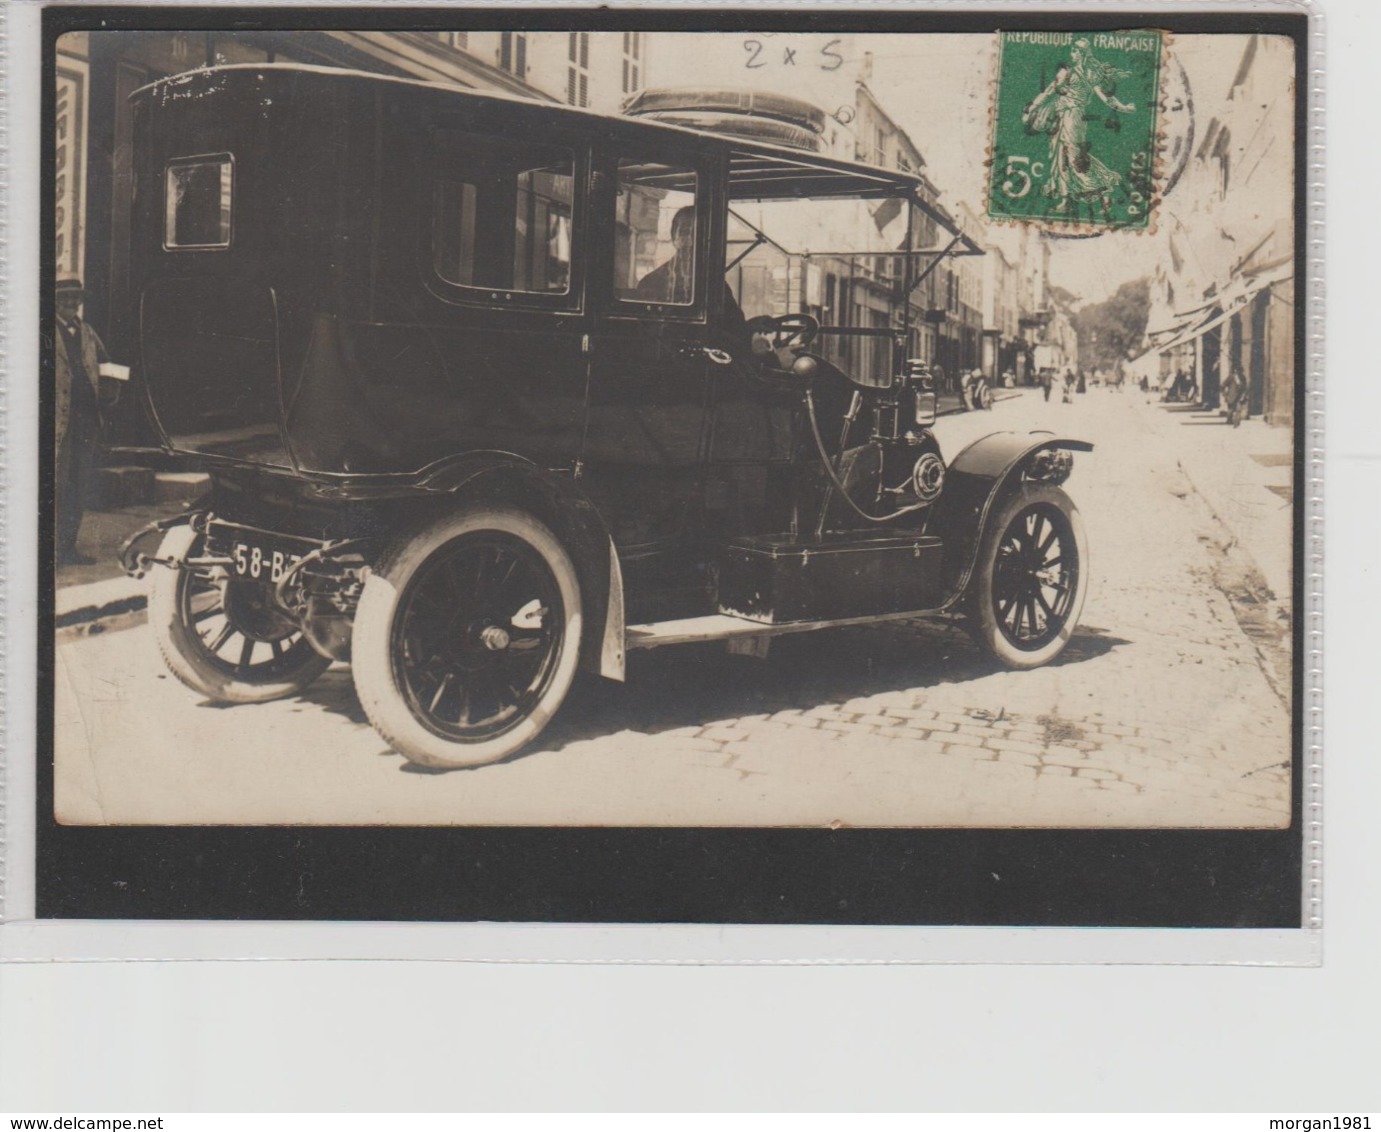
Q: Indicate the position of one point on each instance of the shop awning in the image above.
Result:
(1249, 281)
(1233, 301)
(1191, 330)
(1170, 331)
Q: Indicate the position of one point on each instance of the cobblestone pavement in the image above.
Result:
(1162, 711)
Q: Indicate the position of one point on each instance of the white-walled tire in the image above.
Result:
(467, 637)
(1032, 577)
(219, 637)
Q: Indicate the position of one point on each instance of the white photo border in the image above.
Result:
(24, 938)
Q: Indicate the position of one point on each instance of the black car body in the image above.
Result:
(467, 432)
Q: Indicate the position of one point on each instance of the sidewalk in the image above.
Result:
(1245, 474)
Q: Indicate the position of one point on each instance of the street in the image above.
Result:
(1169, 708)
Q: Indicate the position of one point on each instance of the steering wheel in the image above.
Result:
(786, 331)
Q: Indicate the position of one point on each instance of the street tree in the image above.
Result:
(1111, 330)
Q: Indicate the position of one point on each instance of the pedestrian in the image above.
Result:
(1235, 396)
(1047, 380)
(1083, 384)
(78, 356)
(1068, 395)
(973, 390)
(1178, 387)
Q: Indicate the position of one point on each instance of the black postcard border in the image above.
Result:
(1108, 878)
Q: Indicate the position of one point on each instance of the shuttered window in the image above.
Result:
(513, 52)
(578, 69)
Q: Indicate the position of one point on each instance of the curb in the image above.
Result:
(998, 395)
(77, 605)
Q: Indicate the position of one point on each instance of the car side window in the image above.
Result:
(656, 233)
(502, 214)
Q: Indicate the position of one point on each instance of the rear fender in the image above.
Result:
(975, 481)
(560, 503)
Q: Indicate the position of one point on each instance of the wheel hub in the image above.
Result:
(250, 613)
(494, 637)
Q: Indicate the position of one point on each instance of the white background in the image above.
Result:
(465, 1036)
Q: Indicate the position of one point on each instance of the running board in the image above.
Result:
(720, 627)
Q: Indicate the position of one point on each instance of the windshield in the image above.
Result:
(842, 261)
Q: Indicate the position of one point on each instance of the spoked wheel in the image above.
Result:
(1032, 578)
(467, 637)
(221, 636)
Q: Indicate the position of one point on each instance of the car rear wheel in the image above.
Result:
(1032, 577)
(467, 638)
(221, 636)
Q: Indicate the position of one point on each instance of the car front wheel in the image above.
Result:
(1032, 577)
(467, 638)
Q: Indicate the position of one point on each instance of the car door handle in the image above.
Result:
(719, 357)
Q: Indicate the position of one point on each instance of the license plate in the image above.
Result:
(262, 563)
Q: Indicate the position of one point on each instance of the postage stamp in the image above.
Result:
(1075, 128)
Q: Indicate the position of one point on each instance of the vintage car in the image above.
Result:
(480, 410)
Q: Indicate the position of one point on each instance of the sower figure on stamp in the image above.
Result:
(79, 354)
(1060, 110)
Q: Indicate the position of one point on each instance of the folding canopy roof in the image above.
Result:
(768, 172)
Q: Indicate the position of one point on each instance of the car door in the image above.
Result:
(650, 352)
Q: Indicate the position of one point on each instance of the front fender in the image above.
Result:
(974, 482)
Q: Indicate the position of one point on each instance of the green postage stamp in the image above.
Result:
(1075, 129)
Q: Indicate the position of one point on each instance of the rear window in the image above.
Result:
(198, 202)
(502, 214)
